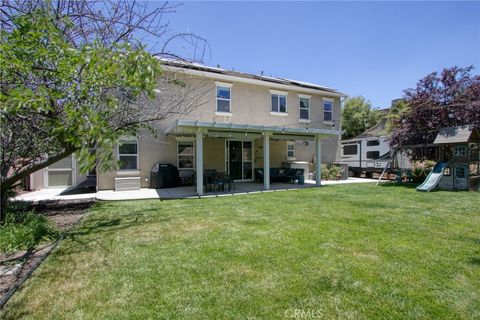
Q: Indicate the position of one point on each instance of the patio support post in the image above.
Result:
(199, 161)
(266, 160)
(318, 157)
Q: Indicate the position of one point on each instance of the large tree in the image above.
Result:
(397, 111)
(441, 99)
(357, 116)
(69, 85)
(139, 23)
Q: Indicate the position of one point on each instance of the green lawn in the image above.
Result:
(337, 252)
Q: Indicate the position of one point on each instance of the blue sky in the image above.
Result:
(374, 49)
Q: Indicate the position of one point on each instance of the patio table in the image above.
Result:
(222, 179)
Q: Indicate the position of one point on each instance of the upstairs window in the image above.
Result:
(279, 102)
(128, 154)
(304, 108)
(223, 98)
(327, 110)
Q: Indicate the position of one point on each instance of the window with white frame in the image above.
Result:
(327, 110)
(291, 150)
(224, 97)
(279, 102)
(304, 108)
(185, 154)
(460, 151)
(128, 154)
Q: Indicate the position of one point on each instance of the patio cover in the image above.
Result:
(462, 134)
(191, 126)
(199, 129)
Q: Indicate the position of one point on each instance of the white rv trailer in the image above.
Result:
(365, 155)
(368, 155)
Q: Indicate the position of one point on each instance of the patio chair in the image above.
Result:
(222, 180)
(231, 183)
(209, 176)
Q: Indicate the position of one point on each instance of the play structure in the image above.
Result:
(459, 160)
(456, 151)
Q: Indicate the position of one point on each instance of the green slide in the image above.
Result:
(433, 177)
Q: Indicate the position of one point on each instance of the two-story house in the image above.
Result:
(247, 121)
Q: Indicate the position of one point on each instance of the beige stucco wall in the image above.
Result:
(214, 154)
(251, 104)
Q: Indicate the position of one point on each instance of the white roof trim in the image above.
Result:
(304, 96)
(224, 84)
(282, 93)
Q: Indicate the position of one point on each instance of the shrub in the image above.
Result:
(420, 169)
(24, 230)
(331, 171)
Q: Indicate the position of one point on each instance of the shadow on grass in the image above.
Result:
(409, 185)
(474, 261)
(91, 234)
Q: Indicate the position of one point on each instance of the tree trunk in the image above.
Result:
(3, 206)
(7, 182)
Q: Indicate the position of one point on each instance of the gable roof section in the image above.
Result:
(196, 68)
(461, 134)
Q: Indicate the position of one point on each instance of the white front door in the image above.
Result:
(239, 159)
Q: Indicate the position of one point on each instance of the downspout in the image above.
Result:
(339, 149)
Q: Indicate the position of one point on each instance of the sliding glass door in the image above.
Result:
(239, 159)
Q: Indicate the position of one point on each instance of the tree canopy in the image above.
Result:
(75, 78)
(357, 116)
(441, 99)
(398, 110)
(60, 96)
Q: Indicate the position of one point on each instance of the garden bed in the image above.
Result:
(16, 266)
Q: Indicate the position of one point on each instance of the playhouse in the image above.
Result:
(459, 151)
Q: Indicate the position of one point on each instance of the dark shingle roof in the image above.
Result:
(461, 134)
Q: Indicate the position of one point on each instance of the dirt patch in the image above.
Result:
(16, 268)
(66, 216)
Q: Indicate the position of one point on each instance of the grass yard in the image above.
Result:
(338, 252)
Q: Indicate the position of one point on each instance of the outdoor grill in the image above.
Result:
(164, 175)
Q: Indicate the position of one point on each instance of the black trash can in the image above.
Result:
(164, 175)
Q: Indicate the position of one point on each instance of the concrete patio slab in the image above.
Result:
(241, 188)
(53, 194)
